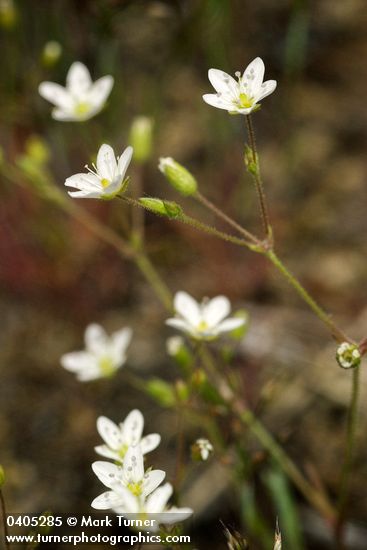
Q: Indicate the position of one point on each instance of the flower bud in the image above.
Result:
(163, 208)
(201, 450)
(348, 356)
(182, 391)
(178, 350)
(37, 150)
(51, 53)
(8, 14)
(161, 392)
(141, 138)
(252, 164)
(2, 476)
(178, 176)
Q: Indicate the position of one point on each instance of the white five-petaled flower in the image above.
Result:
(119, 438)
(81, 99)
(123, 502)
(130, 476)
(205, 321)
(107, 177)
(102, 356)
(243, 95)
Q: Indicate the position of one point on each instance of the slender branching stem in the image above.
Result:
(5, 524)
(337, 333)
(257, 178)
(347, 468)
(220, 214)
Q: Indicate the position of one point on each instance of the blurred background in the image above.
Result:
(56, 276)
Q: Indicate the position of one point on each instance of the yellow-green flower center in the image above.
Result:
(135, 488)
(106, 366)
(122, 450)
(202, 326)
(245, 101)
(82, 108)
(105, 183)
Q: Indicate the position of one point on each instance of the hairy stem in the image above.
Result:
(257, 178)
(5, 525)
(293, 281)
(347, 469)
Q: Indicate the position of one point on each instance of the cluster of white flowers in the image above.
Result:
(133, 491)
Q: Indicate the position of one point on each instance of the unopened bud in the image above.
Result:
(177, 175)
(141, 138)
(37, 150)
(182, 391)
(348, 356)
(177, 349)
(161, 207)
(51, 53)
(251, 161)
(161, 392)
(8, 14)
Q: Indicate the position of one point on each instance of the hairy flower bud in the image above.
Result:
(163, 208)
(348, 356)
(201, 449)
(177, 175)
(51, 53)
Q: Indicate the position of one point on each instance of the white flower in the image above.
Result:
(123, 502)
(243, 95)
(103, 354)
(119, 438)
(81, 99)
(202, 449)
(203, 321)
(107, 177)
(130, 475)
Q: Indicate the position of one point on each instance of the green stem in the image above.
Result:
(350, 447)
(208, 204)
(5, 525)
(321, 314)
(314, 497)
(257, 178)
(213, 231)
(152, 276)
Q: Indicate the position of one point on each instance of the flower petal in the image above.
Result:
(106, 452)
(124, 161)
(78, 80)
(216, 101)
(84, 182)
(77, 360)
(119, 343)
(175, 515)
(133, 464)
(100, 90)
(96, 340)
(108, 500)
(151, 481)
(157, 500)
(109, 432)
(133, 428)
(56, 94)
(216, 310)
(253, 76)
(149, 443)
(187, 307)
(106, 162)
(223, 82)
(180, 324)
(109, 474)
(266, 89)
(230, 324)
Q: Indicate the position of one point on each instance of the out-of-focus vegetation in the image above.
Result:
(56, 276)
